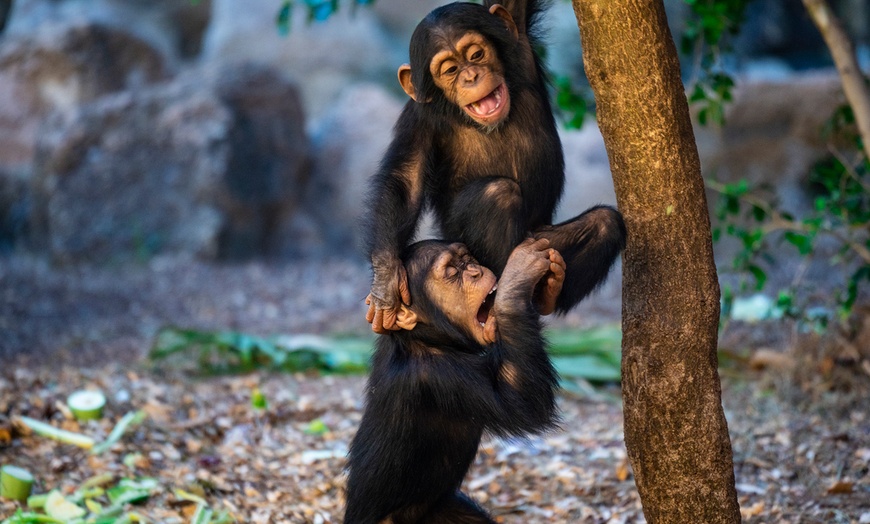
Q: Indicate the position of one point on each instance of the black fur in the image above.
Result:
(432, 393)
(488, 188)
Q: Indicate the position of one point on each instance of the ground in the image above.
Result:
(801, 449)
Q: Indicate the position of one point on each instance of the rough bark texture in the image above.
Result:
(675, 429)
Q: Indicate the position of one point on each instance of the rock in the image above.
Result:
(772, 134)
(322, 57)
(14, 209)
(174, 27)
(401, 17)
(213, 164)
(348, 144)
(268, 164)
(57, 69)
(133, 176)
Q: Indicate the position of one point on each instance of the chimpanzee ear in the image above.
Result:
(406, 318)
(405, 81)
(502, 12)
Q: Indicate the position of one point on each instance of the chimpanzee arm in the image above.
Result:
(525, 379)
(395, 202)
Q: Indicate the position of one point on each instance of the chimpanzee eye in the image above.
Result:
(477, 55)
(450, 71)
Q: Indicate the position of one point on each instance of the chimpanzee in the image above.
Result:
(477, 143)
(469, 358)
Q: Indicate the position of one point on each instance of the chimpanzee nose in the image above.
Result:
(470, 75)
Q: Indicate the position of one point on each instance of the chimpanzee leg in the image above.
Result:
(488, 217)
(456, 508)
(589, 243)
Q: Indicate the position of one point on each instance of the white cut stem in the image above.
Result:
(62, 435)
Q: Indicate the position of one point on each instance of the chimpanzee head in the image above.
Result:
(460, 62)
(452, 295)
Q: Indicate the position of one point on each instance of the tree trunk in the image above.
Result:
(675, 429)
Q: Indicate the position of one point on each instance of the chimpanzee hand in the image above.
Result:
(530, 263)
(389, 291)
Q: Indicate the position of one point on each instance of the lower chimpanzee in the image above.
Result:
(477, 143)
(469, 358)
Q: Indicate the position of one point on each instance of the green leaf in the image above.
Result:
(802, 242)
(258, 400)
(316, 427)
(758, 213)
(760, 276)
(589, 367)
(593, 354)
(283, 19)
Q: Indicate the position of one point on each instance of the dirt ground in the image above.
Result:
(801, 446)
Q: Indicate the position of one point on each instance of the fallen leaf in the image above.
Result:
(841, 487)
(622, 470)
(753, 510)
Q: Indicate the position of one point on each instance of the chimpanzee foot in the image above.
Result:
(548, 289)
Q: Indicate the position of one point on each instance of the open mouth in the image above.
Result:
(490, 106)
(486, 307)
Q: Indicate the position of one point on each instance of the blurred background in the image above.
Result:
(203, 163)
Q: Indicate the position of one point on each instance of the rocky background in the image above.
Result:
(174, 145)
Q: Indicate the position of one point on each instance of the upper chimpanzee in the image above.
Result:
(477, 143)
(469, 359)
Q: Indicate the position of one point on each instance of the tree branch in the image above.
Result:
(843, 53)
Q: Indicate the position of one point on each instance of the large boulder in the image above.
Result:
(348, 142)
(132, 175)
(323, 57)
(268, 165)
(174, 27)
(58, 68)
(213, 164)
(772, 134)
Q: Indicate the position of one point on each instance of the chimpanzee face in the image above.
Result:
(470, 75)
(462, 289)
(458, 56)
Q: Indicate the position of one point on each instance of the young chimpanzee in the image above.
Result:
(469, 358)
(477, 143)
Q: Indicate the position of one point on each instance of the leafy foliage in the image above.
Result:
(316, 11)
(572, 102)
(590, 354)
(100, 500)
(707, 37)
(226, 352)
(841, 212)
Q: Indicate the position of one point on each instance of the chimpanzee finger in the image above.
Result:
(404, 292)
(370, 314)
(378, 322)
(390, 316)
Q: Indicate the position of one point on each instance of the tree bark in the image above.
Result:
(675, 429)
(843, 52)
